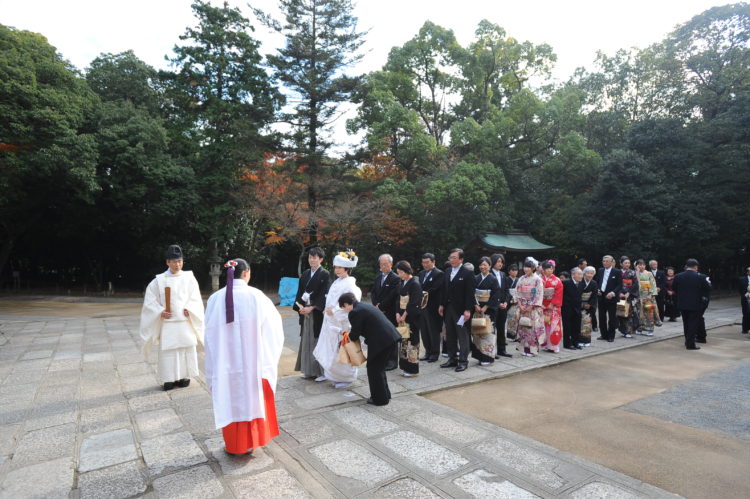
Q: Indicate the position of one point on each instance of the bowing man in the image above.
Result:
(310, 304)
(244, 339)
(381, 338)
(432, 281)
(458, 303)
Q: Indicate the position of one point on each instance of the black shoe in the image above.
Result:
(576, 347)
(450, 363)
(462, 366)
(391, 367)
(372, 402)
(504, 354)
(612, 340)
(426, 357)
(497, 356)
(601, 338)
(744, 332)
(672, 320)
(694, 347)
(168, 386)
(700, 341)
(432, 359)
(183, 382)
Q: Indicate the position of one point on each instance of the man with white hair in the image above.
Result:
(609, 280)
(384, 296)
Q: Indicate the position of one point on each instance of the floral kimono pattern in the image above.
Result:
(647, 293)
(553, 296)
(629, 324)
(528, 294)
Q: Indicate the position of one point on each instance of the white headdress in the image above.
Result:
(346, 259)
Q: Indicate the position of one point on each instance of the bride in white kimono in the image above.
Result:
(335, 322)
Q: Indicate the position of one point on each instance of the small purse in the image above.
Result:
(403, 330)
(623, 308)
(354, 351)
(482, 295)
(481, 324)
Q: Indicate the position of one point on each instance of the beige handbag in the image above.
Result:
(353, 350)
(480, 324)
(403, 330)
(482, 295)
(403, 302)
(623, 308)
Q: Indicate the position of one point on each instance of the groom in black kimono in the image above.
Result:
(310, 303)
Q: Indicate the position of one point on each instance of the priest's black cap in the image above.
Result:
(174, 252)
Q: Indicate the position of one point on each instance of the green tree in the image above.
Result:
(322, 41)
(47, 147)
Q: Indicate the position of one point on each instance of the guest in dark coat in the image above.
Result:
(431, 324)
(609, 280)
(384, 296)
(588, 287)
(409, 311)
(381, 338)
(571, 309)
(486, 300)
(458, 303)
(497, 263)
(692, 291)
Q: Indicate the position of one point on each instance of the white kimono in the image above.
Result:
(327, 349)
(240, 355)
(176, 337)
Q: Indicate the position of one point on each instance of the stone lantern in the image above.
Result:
(214, 269)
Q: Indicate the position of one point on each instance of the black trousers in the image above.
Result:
(379, 391)
(607, 317)
(660, 305)
(501, 316)
(745, 314)
(571, 328)
(456, 337)
(392, 361)
(691, 324)
(430, 325)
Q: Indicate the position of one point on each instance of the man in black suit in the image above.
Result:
(571, 309)
(458, 302)
(381, 338)
(661, 285)
(609, 280)
(501, 316)
(743, 286)
(310, 303)
(384, 296)
(432, 281)
(692, 290)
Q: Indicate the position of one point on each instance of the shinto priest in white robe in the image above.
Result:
(241, 355)
(178, 336)
(334, 324)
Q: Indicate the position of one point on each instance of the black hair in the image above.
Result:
(241, 266)
(529, 264)
(581, 261)
(347, 299)
(459, 251)
(429, 256)
(565, 274)
(547, 265)
(495, 257)
(485, 259)
(513, 266)
(640, 262)
(625, 257)
(404, 266)
(347, 269)
(316, 251)
(691, 262)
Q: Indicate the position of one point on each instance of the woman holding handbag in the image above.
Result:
(487, 298)
(529, 318)
(647, 311)
(553, 298)
(409, 310)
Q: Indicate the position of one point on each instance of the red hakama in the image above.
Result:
(243, 436)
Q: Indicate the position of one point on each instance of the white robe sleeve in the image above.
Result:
(208, 346)
(150, 328)
(195, 307)
(272, 342)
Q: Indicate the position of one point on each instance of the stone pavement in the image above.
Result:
(82, 416)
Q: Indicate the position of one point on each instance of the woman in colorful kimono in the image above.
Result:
(409, 310)
(647, 311)
(670, 309)
(553, 297)
(511, 325)
(589, 288)
(529, 318)
(631, 293)
(487, 298)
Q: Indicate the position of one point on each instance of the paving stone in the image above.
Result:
(135, 369)
(405, 487)
(65, 365)
(497, 367)
(44, 444)
(106, 449)
(68, 354)
(150, 401)
(160, 422)
(48, 480)
(105, 417)
(426, 381)
(347, 459)
(423, 453)
(486, 485)
(525, 461)
(8, 436)
(62, 378)
(399, 406)
(194, 482)
(200, 422)
(14, 410)
(238, 464)
(143, 383)
(327, 399)
(197, 401)
(37, 354)
(601, 490)
(310, 429)
(97, 357)
(53, 414)
(364, 421)
(170, 452)
(116, 482)
(364, 390)
(272, 484)
(459, 432)
(25, 377)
